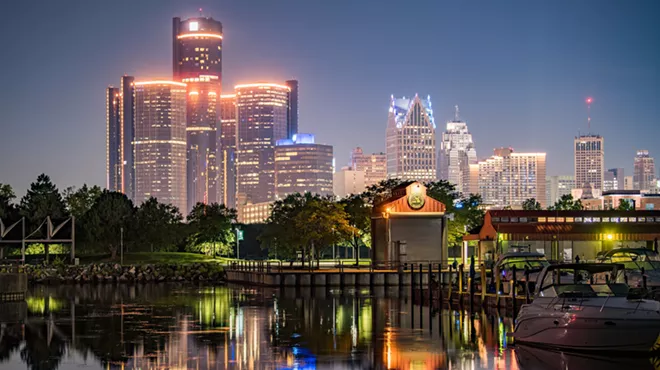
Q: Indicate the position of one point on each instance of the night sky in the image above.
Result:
(519, 70)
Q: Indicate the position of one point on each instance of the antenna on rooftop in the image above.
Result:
(588, 101)
(456, 113)
(200, 12)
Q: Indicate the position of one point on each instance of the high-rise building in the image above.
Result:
(119, 137)
(613, 179)
(373, 165)
(202, 115)
(589, 162)
(197, 61)
(348, 181)
(160, 142)
(558, 186)
(644, 172)
(261, 121)
(302, 166)
(628, 183)
(456, 154)
(292, 109)
(508, 178)
(411, 150)
(227, 151)
(197, 48)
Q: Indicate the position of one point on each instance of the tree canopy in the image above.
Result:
(111, 216)
(212, 229)
(566, 203)
(531, 204)
(42, 200)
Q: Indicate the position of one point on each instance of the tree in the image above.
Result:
(103, 223)
(158, 224)
(444, 192)
(566, 203)
(7, 209)
(279, 234)
(212, 227)
(79, 201)
(377, 193)
(359, 217)
(625, 205)
(531, 204)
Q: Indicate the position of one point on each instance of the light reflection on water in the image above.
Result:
(162, 326)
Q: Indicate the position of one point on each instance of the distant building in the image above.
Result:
(120, 133)
(160, 142)
(628, 183)
(644, 172)
(456, 154)
(614, 199)
(197, 48)
(262, 113)
(292, 109)
(613, 179)
(589, 161)
(558, 186)
(227, 151)
(373, 165)
(411, 149)
(508, 178)
(348, 181)
(302, 166)
(254, 213)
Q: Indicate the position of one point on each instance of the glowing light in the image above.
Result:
(193, 93)
(194, 26)
(589, 100)
(209, 35)
(199, 129)
(159, 82)
(264, 84)
(227, 96)
(609, 236)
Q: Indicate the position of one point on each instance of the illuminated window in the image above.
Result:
(193, 26)
(606, 219)
(551, 219)
(570, 219)
(542, 219)
(624, 219)
(578, 219)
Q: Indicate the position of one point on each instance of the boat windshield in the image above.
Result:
(532, 263)
(572, 282)
(637, 260)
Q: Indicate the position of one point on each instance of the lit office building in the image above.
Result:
(508, 178)
(197, 48)
(254, 213)
(262, 113)
(160, 142)
(348, 181)
(373, 165)
(558, 186)
(644, 172)
(201, 130)
(227, 151)
(302, 166)
(589, 162)
(456, 154)
(119, 138)
(411, 150)
(292, 109)
(613, 179)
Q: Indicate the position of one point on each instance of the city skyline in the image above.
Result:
(68, 123)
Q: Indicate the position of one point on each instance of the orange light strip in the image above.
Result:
(189, 35)
(160, 82)
(227, 96)
(264, 84)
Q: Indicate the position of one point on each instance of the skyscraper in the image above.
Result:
(589, 161)
(456, 154)
(261, 120)
(411, 150)
(348, 181)
(508, 178)
(292, 109)
(373, 165)
(613, 179)
(197, 61)
(197, 48)
(160, 142)
(227, 151)
(644, 172)
(202, 115)
(302, 166)
(558, 186)
(119, 138)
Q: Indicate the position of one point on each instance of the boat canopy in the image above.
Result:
(581, 279)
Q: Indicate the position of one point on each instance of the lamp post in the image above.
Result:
(121, 246)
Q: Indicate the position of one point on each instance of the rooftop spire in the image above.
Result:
(456, 113)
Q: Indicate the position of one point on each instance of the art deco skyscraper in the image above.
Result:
(456, 154)
(160, 142)
(644, 175)
(262, 110)
(227, 151)
(411, 150)
(589, 162)
(197, 61)
(119, 138)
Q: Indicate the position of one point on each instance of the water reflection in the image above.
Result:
(162, 326)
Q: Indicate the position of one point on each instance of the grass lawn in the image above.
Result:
(151, 258)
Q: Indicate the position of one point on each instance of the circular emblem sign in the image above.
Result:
(416, 200)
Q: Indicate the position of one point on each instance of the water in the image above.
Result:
(163, 326)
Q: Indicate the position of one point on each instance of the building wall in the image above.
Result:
(261, 121)
(303, 168)
(160, 142)
(589, 161)
(644, 172)
(348, 181)
(227, 151)
(511, 179)
(113, 135)
(254, 213)
(424, 238)
(457, 153)
(292, 109)
(558, 186)
(373, 165)
(197, 48)
(411, 148)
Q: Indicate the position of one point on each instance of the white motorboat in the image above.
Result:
(639, 262)
(595, 312)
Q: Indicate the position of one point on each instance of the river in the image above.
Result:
(166, 326)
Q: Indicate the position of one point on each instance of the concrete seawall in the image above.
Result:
(322, 278)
